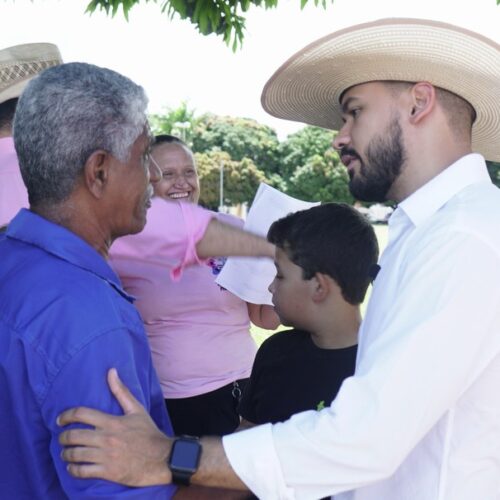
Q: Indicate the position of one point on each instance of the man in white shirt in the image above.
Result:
(417, 106)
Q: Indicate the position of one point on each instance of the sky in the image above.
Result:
(174, 63)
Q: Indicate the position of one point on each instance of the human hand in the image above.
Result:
(127, 449)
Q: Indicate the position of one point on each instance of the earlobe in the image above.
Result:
(423, 95)
(96, 172)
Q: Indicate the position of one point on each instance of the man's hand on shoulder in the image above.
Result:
(127, 449)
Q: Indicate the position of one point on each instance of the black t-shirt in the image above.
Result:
(291, 374)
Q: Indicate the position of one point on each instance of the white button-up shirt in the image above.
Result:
(420, 419)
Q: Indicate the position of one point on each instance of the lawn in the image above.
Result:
(260, 335)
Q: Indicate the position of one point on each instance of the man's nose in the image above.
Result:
(342, 139)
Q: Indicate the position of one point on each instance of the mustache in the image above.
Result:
(149, 192)
(349, 152)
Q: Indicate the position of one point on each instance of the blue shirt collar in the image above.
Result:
(62, 243)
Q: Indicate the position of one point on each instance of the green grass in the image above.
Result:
(259, 334)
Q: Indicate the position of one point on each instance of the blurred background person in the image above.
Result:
(199, 333)
(18, 65)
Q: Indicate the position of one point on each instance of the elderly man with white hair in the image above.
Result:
(83, 142)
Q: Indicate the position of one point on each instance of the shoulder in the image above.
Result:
(61, 300)
(284, 338)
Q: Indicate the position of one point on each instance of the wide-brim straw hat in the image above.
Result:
(308, 86)
(20, 63)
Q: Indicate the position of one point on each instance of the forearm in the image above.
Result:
(215, 469)
(263, 316)
(222, 239)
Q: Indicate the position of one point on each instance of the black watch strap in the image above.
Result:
(182, 478)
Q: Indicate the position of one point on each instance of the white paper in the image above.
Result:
(249, 277)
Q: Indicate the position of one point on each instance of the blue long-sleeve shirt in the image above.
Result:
(64, 321)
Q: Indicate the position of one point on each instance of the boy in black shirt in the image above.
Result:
(325, 259)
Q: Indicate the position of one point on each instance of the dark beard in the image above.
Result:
(385, 158)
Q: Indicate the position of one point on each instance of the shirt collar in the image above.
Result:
(59, 241)
(428, 199)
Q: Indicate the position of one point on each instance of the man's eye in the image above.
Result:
(355, 112)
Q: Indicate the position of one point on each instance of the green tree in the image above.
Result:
(300, 146)
(322, 178)
(222, 17)
(178, 121)
(241, 179)
(240, 138)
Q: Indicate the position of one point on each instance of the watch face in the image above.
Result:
(185, 455)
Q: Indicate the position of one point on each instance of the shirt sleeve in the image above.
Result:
(169, 238)
(83, 382)
(401, 386)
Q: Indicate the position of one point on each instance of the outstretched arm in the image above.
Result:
(130, 449)
(223, 240)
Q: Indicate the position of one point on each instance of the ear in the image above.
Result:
(321, 284)
(96, 172)
(423, 101)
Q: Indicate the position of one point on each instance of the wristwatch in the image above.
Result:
(184, 459)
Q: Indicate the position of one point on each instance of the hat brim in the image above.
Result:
(20, 63)
(14, 91)
(308, 86)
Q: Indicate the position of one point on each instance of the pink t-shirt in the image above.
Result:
(13, 194)
(198, 333)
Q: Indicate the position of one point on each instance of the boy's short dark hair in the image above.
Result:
(333, 239)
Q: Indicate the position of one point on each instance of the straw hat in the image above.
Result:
(20, 63)
(308, 86)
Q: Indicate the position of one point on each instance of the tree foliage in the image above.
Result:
(240, 137)
(321, 178)
(222, 17)
(174, 121)
(241, 179)
(302, 145)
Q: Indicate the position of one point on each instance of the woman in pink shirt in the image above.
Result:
(198, 332)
